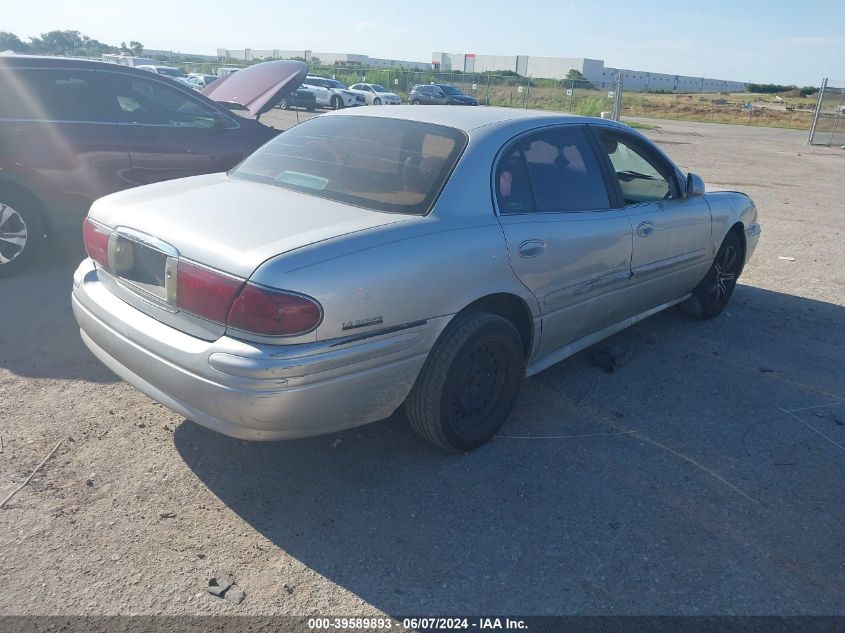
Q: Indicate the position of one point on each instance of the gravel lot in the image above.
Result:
(727, 499)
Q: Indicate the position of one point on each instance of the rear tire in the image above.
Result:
(469, 382)
(710, 297)
(284, 104)
(376, 101)
(21, 232)
(414, 102)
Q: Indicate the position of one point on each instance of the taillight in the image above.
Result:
(205, 292)
(96, 238)
(273, 312)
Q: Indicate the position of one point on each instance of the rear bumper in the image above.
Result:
(246, 390)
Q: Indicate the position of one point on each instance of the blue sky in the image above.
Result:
(781, 41)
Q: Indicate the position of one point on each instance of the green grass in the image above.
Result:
(640, 126)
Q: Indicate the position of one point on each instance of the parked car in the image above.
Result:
(439, 94)
(331, 93)
(302, 97)
(72, 131)
(376, 94)
(168, 71)
(198, 81)
(431, 257)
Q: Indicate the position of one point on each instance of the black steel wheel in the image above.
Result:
(469, 383)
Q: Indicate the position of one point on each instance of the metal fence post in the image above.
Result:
(617, 102)
(836, 116)
(488, 89)
(817, 112)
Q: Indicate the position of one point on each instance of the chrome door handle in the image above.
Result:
(531, 248)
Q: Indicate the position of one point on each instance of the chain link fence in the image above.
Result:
(512, 90)
(828, 126)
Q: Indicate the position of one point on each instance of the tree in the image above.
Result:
(57, 42)
(136, 47)
(11, 42)
(575, 79)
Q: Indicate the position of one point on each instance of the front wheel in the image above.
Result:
(376, 101)
(284, 104)
(710, 297)
(336, 103)
(21, 233)
(414, 102)
(469, 382)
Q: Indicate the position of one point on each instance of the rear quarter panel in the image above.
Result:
(398, 274)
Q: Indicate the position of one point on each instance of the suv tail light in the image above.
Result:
(274, 313)
(96, 238)
(205, 292)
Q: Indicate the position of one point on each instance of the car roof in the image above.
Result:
(40, 61)
(465, 118)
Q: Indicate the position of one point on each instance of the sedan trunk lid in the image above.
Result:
(233, 225)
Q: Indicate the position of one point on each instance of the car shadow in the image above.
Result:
(673, 484)
(39, 337)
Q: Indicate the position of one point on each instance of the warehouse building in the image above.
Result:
(330, 59)
(593, 70)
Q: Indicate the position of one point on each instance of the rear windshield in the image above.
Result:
(372, 162)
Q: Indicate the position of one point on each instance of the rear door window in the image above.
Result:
(373, 162)
(565, 175)
(54, 95)
(155, 103)
(513, 184)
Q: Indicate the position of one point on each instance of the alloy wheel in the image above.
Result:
(724, 274)
(13, 234)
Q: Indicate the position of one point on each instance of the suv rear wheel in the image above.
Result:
(21, 232)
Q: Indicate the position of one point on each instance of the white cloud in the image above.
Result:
(813, 40)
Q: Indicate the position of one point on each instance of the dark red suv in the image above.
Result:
(72, 131)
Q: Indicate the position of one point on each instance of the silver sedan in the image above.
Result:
(428, 257)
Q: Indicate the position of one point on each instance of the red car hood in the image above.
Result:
(259, 87)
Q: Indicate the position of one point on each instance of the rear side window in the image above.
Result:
(551, 171)
(53, 95)
(513, 184)
(377, 163)
(154, 103)
(564, 171)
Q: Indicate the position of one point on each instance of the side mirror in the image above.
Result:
(695, 185)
